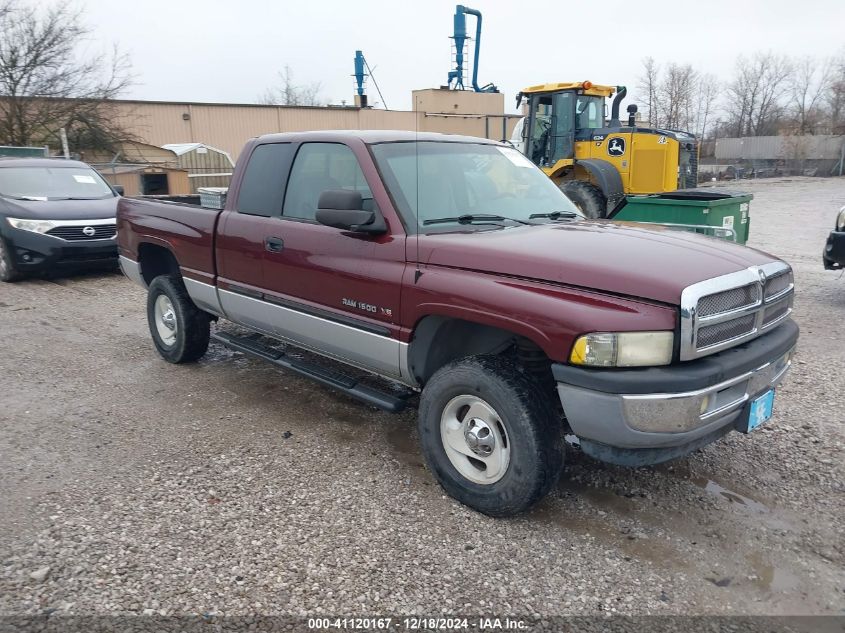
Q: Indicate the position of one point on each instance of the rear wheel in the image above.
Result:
(490, 435)
(587, 197)
(180, 330)
(8, 272)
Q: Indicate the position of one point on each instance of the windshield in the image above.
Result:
(432, 180)
(52, 183)
(589, 112)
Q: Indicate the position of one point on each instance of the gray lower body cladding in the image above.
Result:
(376, 353)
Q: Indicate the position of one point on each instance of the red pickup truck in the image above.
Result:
(452, 267)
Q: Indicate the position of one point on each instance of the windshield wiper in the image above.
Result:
(554, 215)
(469, 218)
(28, 198)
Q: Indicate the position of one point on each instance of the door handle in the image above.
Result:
(274, 244)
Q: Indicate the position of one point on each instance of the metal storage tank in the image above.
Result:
(207, 166)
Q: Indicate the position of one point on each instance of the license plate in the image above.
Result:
(761, 410)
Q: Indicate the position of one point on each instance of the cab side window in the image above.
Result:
(319, 167)
(263, 185)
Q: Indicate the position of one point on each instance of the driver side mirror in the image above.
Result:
(344, 209)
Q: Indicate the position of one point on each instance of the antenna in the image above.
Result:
(418, 272)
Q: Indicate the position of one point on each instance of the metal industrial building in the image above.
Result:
(229, 126)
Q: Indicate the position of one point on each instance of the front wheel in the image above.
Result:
(587, 197)
(180, 330)
(490, 435)
(8, 272)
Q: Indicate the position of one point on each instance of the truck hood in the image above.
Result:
(629, 259)
(59, 209)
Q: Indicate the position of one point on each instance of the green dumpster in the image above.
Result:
(718, 213)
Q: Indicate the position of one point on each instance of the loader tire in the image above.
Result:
(587, 197)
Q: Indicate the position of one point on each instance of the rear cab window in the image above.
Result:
(262, 189)
(320, 167)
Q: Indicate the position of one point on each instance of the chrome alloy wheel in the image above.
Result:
(475, 439)
(165, 320)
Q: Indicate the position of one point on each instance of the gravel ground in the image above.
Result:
(128, 485)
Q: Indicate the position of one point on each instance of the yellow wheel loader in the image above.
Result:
(596, 161)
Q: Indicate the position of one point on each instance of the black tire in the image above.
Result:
(533, 432)
(8, 271)
(192, 325)
(587, 197)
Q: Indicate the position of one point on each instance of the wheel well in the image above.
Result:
(439, 340)
(156, 260)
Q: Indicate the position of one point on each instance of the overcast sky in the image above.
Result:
(225, 51)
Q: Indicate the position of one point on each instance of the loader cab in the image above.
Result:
(557, 118)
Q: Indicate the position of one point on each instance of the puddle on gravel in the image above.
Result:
(603, 498)
(768, 577)
(747, 506)
(714, 488)
(602, 529)
(405, 446)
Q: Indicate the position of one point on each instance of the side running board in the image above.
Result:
(343, 382)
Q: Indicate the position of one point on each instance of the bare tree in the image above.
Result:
(835, 96)
(46, 83)
(292, 94)
(707, 98)
(810, 81)
(675, 96)
(648, 86)
(757, 94)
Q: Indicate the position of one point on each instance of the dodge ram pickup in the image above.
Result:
(453, 268)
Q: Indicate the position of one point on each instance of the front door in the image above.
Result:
(563, 128)
(335, 290)
(539, 130)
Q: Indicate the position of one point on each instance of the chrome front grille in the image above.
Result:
(776, 312)
(728, 300)
(710, 335)
(88, 232)
(726, 311)
(778, 285)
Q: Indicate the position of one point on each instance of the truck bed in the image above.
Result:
(184, 228)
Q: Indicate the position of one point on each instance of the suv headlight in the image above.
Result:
(36, 226)
(623, 349)
(840, 220)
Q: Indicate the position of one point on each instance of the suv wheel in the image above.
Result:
(180, 330)
(8, 272)
(490, 435)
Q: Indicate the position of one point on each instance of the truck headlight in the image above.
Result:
(36, 226)
(840, 220)
(623, 349)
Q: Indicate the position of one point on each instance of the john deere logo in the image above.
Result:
(616, 146)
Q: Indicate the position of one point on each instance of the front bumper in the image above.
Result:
(646, 416)
(834, 251)
(35, 252)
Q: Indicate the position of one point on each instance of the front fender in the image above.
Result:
(606, 176)
(550, 315)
